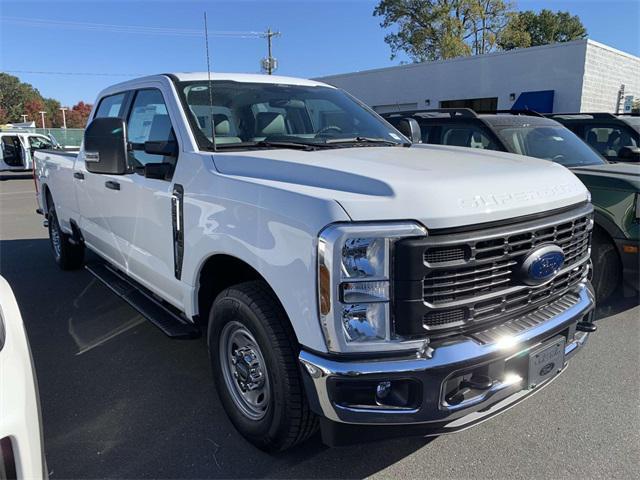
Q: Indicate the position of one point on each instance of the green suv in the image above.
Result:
(615, 187)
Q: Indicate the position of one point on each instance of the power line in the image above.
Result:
(79, 73)
(132, 29)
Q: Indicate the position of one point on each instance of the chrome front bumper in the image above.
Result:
(432, 373)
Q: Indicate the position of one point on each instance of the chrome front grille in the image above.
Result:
(493, 262)
(468, 280)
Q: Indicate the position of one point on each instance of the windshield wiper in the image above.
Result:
(269, 144)
(360, 139)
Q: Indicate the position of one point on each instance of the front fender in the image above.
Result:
(273, 231)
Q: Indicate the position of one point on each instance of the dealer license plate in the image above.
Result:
(546, 361)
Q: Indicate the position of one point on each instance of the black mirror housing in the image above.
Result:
(629, 154)
(105, 146)
(168, 149)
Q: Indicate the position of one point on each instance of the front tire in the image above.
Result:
(253, 353)
(607, 270)
(68, 256)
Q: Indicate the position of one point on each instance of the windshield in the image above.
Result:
(249, 115)
(549, 143)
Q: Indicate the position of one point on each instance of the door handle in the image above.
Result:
(78, 175)
(112, 185)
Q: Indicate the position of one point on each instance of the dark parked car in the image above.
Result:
(615, 137)
(615, 187)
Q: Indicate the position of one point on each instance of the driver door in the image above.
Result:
(146, 224)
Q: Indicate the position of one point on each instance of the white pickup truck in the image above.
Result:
(344, 278)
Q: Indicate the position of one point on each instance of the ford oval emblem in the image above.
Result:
(542, 264)
(546, 369)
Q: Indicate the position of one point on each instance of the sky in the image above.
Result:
(319, 37)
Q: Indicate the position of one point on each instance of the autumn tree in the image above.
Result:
(78, 115)
(530, 29)
(441, 29)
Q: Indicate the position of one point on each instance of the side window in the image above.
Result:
(39, 142)
(466, 136)
(148, 122)
(110, 106)
(608, 139)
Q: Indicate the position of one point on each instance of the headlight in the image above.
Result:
(354, 286)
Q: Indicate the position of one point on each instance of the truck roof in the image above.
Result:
(235, 77)
(248, 77)
(203, 76)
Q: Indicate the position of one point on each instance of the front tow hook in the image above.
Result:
(586, 327)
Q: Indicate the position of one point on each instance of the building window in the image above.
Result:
(476, 104)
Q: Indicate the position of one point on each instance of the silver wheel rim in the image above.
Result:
(55, 235)
(244, 370)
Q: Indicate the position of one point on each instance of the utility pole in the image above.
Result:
(269, 64)
(620, 98)
(42, 117)
(24, 118)
(64, 117)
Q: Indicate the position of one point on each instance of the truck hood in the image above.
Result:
(440, 186)
(622, 176)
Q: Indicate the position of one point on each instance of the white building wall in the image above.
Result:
(558, 67)
(605, 70)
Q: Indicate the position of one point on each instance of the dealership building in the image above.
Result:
(577, 76)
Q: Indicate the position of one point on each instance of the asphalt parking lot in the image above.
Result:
(121, 400)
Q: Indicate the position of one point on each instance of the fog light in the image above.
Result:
(383, 390)
(397, 394)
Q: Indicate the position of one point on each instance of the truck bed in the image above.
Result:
(55, 167)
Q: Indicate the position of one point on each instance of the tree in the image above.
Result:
(530, 29)
(440, 29)
(78, 115)
(18, 98)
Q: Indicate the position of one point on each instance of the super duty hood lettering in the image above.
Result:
(510, 198)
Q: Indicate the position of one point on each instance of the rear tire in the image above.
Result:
(68, 256)
(254, 356)
(607, 270)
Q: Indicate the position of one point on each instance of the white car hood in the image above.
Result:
(440, 186)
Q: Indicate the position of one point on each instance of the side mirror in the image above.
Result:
(409, 128)
(159, 171)
(105, 146)
(168, 149)
(629, 154)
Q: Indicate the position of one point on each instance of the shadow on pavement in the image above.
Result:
(15, 176)
(621, 301)
(120, 399)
